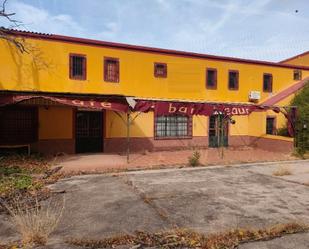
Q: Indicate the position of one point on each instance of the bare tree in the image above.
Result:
(5, 33)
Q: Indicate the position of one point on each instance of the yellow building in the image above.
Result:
(71, 95)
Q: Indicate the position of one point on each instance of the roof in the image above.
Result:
(294, 57)
(90, 42)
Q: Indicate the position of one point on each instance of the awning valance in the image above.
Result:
(83, 102)
(194, 108)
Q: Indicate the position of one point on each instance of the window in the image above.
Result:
(18, 125)
(270, 125)
(160, 70)
(111, 70)
(267, 82)
(77, 67)
(211, 78)
(173, 126)
(297, 75)
(233, 80)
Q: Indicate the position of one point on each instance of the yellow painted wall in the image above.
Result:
(55, 122)
(200, 126)
(302, 60)
(241, 127)
(142, 125)
(46, 68)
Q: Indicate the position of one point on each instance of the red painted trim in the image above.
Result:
(285, 93)
(116, 60)
(91, 42)
(237, 80)
(294, 57)
(155, 71)
(215, 83)
(270, 86)
(84, 76)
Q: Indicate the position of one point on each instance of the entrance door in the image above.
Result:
(89, 132)
(218, 131)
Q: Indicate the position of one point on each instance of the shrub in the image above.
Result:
(35, 221)
(194, 160)
(282, 171)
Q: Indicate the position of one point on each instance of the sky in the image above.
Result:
(269, 30)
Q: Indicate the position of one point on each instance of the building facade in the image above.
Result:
(48, 95)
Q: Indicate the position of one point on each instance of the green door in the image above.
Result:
(218, 131)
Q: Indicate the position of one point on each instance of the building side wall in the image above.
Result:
(46, 69)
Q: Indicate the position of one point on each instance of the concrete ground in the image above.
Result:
(207, 200)
(211, 156)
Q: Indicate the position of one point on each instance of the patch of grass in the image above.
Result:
(184, 238)
(16, 173)
(282, 171)
(194, 160)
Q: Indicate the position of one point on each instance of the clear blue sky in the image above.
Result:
(257, 29)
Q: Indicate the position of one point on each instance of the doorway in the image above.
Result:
(218, 131)
(89, 132)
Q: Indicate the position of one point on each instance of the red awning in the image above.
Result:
(84, 102)
(194, 108)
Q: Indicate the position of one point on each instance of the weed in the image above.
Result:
(35, 221)
(184, 238)
(194, 160)
(282, 171)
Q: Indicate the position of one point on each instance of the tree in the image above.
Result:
(6, 33)
(302, 121)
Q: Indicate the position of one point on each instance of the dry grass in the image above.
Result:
(282, 171)
(35, 221)
(182, 238)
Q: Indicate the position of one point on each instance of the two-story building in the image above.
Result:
(74, 95)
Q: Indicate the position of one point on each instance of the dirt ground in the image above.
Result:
(207, 200)
(210, 156)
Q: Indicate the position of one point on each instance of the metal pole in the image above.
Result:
(222, 136)
(128, 137)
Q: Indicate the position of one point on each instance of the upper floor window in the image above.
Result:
(160, 70)
(176, 126)
(77, 67)
(267, 82)
(111, 69)
(297, 75)
(211, 78)
(233, 80)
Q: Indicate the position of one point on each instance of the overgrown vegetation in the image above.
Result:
(35, 221)
(194, 160)
(302, 123)
(18, 173)
(282, 171)
(182, 238)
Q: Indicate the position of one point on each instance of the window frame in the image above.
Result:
(297, 72)
(156, 75)
(274, 124)
(269, 89)
(237, 80)
(189, 129)
(84, 67)
(214, 87)
(106, 59)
